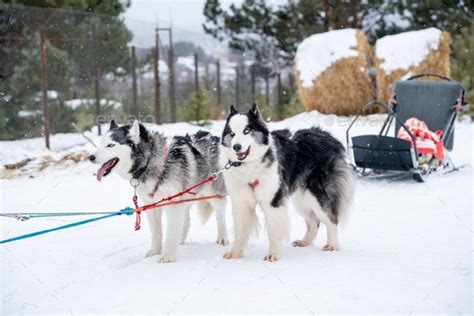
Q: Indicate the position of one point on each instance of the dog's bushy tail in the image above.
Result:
(205, 211)
(345, 182)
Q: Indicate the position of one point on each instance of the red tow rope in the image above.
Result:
(169, 199)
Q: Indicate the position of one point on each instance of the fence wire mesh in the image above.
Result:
(90, 73)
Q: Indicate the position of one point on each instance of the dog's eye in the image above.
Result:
(247, 130)
(232, 134)
(110, 145)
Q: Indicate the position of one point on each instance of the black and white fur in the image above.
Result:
(309, 167)
(162, 170)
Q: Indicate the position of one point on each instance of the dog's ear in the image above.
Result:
(113, 125)
(254, 111)
(232, 110)
(134, 132)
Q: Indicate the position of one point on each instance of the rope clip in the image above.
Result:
(134, 182)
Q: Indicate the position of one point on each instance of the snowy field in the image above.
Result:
(406, 250)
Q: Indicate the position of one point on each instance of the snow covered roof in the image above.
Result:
(52, 95)
(147, 71)
(186, 62)
(162, 66)
(26, 114)
(75, 103)
(404, 50)
(316, 53)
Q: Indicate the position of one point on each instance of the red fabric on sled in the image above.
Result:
(427, 142)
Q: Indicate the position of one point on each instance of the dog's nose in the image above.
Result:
(237, 147)
(92, 158)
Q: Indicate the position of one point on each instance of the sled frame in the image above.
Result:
(375, 156)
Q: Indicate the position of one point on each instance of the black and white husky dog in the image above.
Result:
(163, 169)
(270, 167)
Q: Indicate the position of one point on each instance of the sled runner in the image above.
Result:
(424, 113)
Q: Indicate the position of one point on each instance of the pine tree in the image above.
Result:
(463, 62)
(67, 28)
(259, 27)
(198, 107)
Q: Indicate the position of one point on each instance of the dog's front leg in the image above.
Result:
(175, 216)
(186, 225)
(276, 220)
(154, 222)
(244, 223)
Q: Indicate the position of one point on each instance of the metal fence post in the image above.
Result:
(237, 86)
(267, 89)
(172, 80)
(156, 75)
(44, 88)
(219, 96)
(134, 84)
(172, 88)
(95, 74)
(252, 82)
(206, 80)
(196, 73)
(279, 104)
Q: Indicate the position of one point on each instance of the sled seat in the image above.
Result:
(429, 101)
(383, 153)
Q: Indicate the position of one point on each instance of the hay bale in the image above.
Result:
(410, 53)
(76, 157)
(332, 72)
(44, 162)
(18, 165)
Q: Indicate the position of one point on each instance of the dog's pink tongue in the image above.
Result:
(101, 171)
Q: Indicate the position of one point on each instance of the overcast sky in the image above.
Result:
(188, 14)
(185, 15)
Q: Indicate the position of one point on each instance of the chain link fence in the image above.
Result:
(61, 71)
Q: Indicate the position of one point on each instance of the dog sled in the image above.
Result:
(418, 133)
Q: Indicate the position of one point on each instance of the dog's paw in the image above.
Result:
(167, 258)
(271, 257)
(330, 248)
(222, 241)
(153, 252)
(300, 243)
(232, 255)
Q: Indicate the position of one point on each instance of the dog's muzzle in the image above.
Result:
(243, 155)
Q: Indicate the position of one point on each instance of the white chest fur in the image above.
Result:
(239, 179)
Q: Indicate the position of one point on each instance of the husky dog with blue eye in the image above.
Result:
(270, 168)
(163, 169)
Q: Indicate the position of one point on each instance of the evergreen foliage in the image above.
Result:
(463, 62)
(256, 25)
(67, 27)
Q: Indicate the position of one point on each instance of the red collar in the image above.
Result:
(253, 184)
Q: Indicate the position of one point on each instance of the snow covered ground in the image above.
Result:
(407, 248)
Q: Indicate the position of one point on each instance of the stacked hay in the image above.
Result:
(405, 54)
(332, 72)
(75, 157)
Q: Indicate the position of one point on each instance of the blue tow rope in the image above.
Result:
(125, 211)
